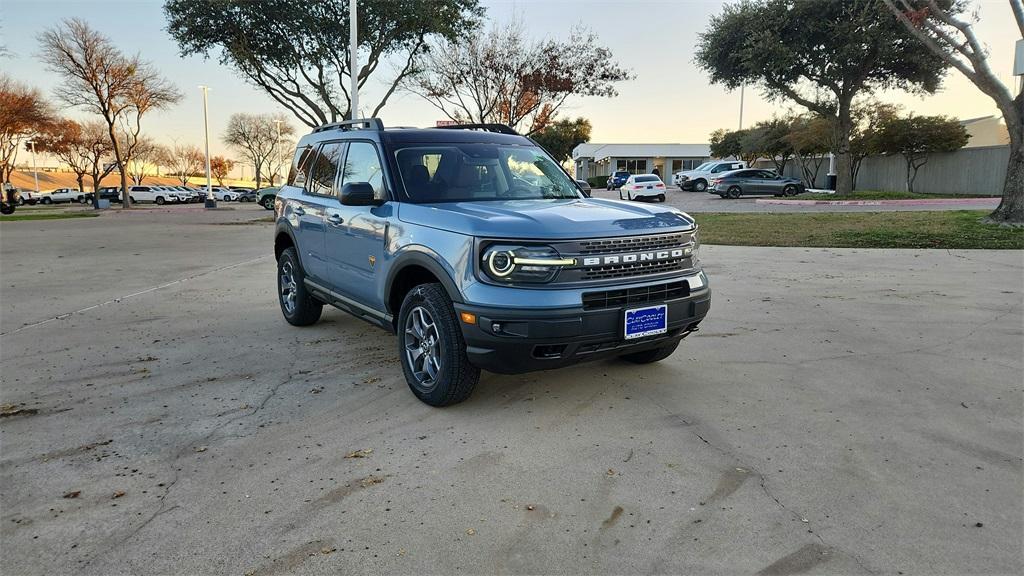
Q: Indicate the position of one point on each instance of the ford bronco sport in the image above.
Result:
(478, 251)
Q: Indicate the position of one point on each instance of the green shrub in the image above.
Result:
(597, 181)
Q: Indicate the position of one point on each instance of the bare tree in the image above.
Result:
(953, 39)
(96, 76)
(183, 160)
(146, 156)
(503, 77)
(255, 137)
(23, 112)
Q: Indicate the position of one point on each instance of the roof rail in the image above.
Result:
(357, 124)
(499, 128)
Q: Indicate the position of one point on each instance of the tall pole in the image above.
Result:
(742, 86)
(211, 202)
(353, 43)
(35, 173)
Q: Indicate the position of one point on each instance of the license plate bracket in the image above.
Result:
(645, 321)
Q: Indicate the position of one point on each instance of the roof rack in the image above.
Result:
(499, 128)
(357, 124)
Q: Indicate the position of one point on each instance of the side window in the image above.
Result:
(299, 170)
(719, 168)
(323, 171)
(363, 165)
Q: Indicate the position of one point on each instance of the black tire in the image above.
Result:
(700, 186)
(268, 202)
(734, 192)
(160, 200)
(652, 355)
(131, 199)
(6, 208)
(21, 201)
(722, 196)
(789, 191)
(298, 306)
(454, 377)
(661, 197)
(46, 201)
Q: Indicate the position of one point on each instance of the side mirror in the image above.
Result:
(358, 194)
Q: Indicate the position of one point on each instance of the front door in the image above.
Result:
(318, 193)
(354, 242)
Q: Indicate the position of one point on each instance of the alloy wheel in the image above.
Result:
(423, 346)
(288, 287)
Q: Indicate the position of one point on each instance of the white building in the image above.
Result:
(592, 159)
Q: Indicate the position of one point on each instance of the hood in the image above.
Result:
(546, 219)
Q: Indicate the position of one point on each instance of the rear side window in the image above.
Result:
(299, 171)
(363, 165)
(324, 167)
(647, 179)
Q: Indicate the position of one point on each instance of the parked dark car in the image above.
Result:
(265, 196)
(246, 195)
(618, 178)
(752, 181)
(112, 193)
(585, 187)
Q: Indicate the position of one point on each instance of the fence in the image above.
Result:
(980, 170)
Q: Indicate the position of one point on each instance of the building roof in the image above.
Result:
(602, 151)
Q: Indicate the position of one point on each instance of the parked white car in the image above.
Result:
(643, 186)
(157, 194)
(62, 195)
(224, 193)
(698, 178)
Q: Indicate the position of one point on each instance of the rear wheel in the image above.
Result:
(700, 186)
(734, 192)
(431, 348)
(297, 304)
(653, 355)
(661, 197)
(47, 200)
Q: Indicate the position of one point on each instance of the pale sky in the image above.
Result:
(670, 100)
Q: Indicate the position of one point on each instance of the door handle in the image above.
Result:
(299, 211)
(335, 219)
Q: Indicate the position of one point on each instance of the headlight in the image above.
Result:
(522, 264)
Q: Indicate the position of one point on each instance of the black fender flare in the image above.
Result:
(285, 229)
(427, 259)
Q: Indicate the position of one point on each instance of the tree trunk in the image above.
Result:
(910, 179)
(844, 160)
(258, 178)
(96, 191)
(1011, 209)
(126, 201)
(81, 183)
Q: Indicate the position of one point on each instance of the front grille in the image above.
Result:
(632, 243)
(635, 269)
(641, 295)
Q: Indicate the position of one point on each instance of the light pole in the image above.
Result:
(211, 202)
(353, 41)
(35, 173)
(742, 86)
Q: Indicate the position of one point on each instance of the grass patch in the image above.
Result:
(880, 195)
(958, 229)
(46, 216)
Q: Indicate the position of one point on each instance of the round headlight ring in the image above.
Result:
(501, 262)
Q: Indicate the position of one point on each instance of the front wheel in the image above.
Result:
(299, 307)
(789, 191)
(268, 203)
(653, 355)
(6, 208)
(47, 201)
(431, 348)
(700, 186)
(160, 200)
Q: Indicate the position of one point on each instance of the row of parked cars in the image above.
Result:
(157, 194)
(728, 179)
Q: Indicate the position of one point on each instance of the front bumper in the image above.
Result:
(542, 339)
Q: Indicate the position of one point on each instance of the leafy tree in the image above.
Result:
(220, 167)
(23, 112)
(96, 76)
(63, 138)
(768, 139)
(810, 135)
(820, 54)
(561, 137)
(917, 137)
(726, 143)
(942, 32)
(298, 51)
(255, 136)
(146, 155)
(868, 118)
(503, 77)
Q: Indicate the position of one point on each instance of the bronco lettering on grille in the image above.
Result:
(636, 257)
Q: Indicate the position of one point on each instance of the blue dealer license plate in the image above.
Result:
(647, 321)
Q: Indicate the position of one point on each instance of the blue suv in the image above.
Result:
(479, 251)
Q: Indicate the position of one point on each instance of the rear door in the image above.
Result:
(355, 235)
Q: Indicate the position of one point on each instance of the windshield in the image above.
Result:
(703, 166)
(480, 172)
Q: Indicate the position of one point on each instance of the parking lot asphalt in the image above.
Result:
(704, 202)
(840, 412)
